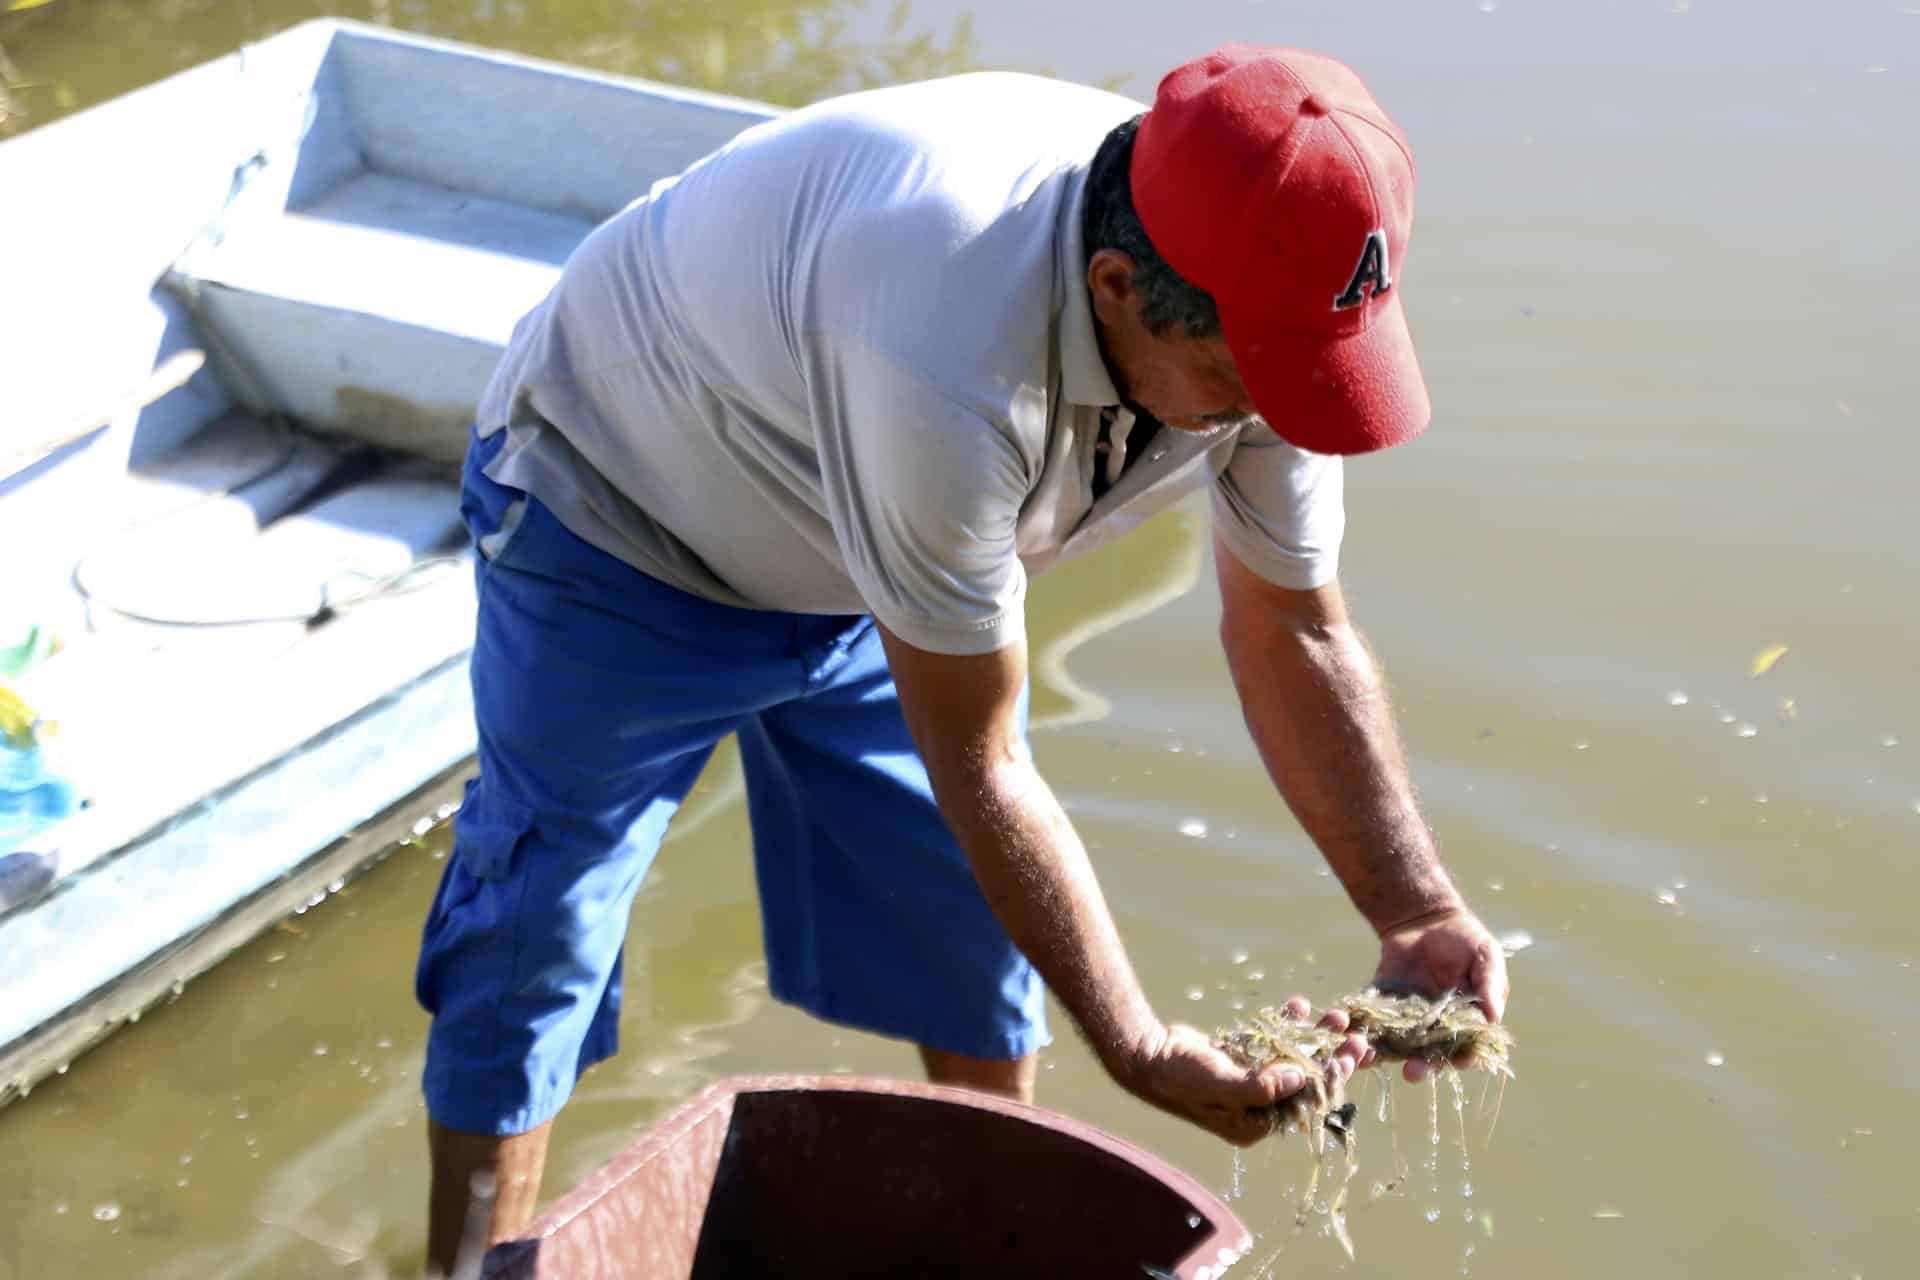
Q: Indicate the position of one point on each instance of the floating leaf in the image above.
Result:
(1764, 660)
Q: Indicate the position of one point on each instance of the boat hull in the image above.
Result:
(849, 1177)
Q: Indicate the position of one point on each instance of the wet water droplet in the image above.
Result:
(320, 1051)
(1727, 717)
(1256, 975)
(1239, 955)
(1678, 698)
(1745, 731)
(1193, 829)
(1432, 1215)
(1195, 993)
(1581, 746)
(335, 886)
(106, 1212)
(1888, 740)
(1193, 1220)
(1665, 898)
(59, 1207)
(383, 1043)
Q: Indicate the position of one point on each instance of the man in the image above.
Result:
(776, 458)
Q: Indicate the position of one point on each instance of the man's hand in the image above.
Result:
(1178, 1070)
(1444, 951)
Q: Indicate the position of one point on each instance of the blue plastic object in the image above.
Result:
(31, 799)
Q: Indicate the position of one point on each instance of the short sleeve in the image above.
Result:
(1281, 510)
(924, 495)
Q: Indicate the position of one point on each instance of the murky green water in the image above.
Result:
(1664, 286)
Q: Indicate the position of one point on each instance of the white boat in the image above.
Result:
(247, 314)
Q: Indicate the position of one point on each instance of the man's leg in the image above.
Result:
(520, 967)
(1010, 1079)
(512, 1165)
(871, 913)
(599, 694)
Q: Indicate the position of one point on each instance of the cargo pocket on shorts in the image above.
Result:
(470, 924)
(487, 831)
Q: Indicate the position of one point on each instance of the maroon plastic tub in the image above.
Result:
(842, 1177)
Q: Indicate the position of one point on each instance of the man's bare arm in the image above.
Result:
(1317, 707)
(1035, 874)
(964, 715)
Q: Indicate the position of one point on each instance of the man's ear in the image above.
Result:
(1110, 284)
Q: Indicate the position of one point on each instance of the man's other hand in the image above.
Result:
(1180, 1071)
(1444, 951)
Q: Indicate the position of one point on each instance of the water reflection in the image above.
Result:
(782, 51)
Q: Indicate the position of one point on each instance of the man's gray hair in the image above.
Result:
(1109, 221)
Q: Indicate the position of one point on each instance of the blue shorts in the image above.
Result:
(599, 694)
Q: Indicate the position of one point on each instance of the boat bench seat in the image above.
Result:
(397, 216)
(377, 309)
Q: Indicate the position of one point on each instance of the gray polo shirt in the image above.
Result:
(847, 364)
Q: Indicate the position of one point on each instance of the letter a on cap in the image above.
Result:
(1371, 271)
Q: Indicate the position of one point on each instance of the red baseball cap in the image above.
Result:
(1272, 179)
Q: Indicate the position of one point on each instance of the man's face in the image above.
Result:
(1188, 383)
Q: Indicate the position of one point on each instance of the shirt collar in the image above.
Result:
(1083, 373)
